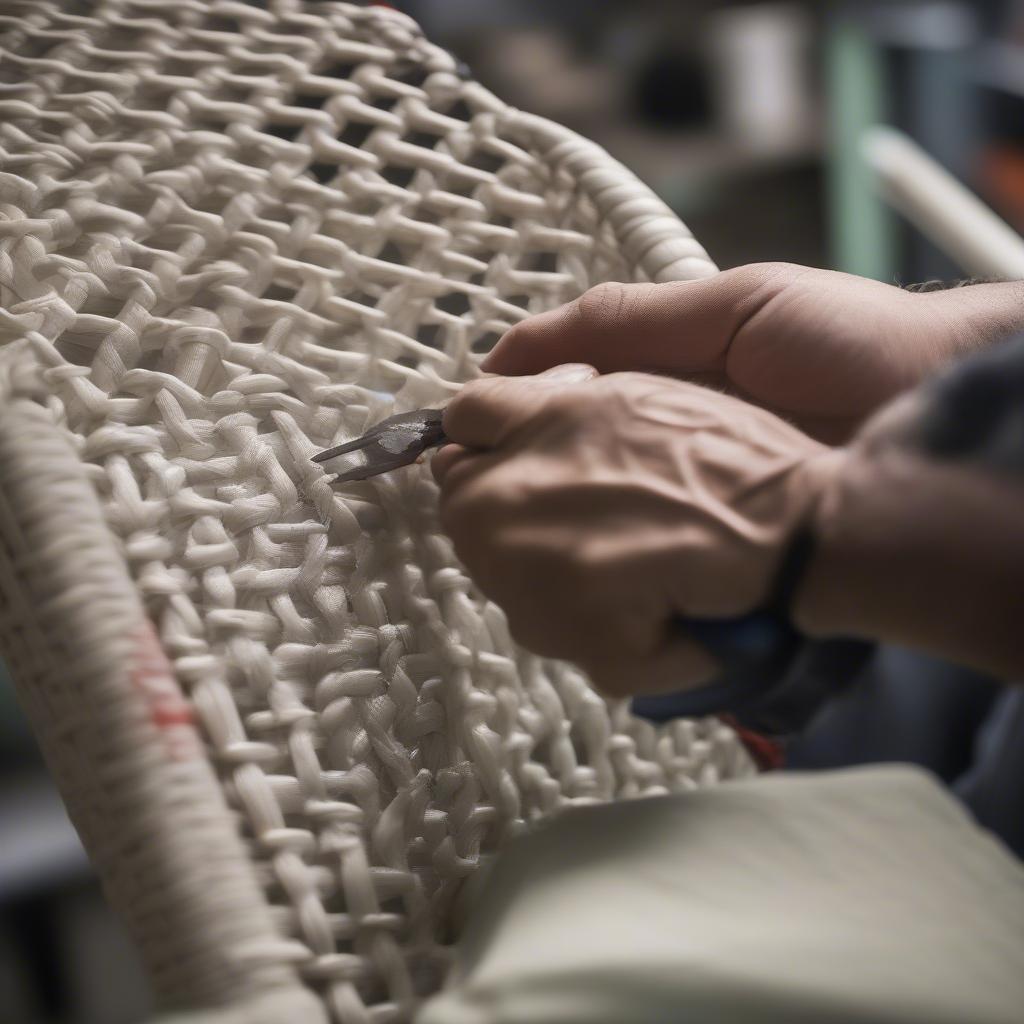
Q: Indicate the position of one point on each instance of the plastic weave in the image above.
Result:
(283, 719)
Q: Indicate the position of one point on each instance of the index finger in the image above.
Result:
(486, 412)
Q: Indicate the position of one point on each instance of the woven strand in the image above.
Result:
(99, 688)
(231, 237)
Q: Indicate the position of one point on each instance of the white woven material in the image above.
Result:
(284, 721)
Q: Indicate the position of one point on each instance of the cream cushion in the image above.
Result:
(856, 896)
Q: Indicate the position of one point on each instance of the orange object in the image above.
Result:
(1002, 177)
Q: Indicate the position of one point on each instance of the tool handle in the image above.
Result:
(754, 650)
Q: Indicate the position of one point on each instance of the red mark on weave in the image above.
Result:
(154, 681)
(167, 716)
(769, 754)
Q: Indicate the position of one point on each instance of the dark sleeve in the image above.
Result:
(975, 411)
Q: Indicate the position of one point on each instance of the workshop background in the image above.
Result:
(748, 119)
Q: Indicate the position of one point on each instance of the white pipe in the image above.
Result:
(946, 212)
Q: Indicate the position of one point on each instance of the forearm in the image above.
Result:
(920, 523)
(926, 554)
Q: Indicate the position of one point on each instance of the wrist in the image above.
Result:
(918, 553)
(837, 584)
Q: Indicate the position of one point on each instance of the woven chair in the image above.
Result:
(283, 720)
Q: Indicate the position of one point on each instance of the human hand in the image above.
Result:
(820, 348)
(599, 512)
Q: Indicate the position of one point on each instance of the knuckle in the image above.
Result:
(576, 405)
(622, 387)
(756, 276)
(782, 270)
(460, 409)
(566, 406)
(473, 394)
(477, 397)
(602, 303)
(779, 272)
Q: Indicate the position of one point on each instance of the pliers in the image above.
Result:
(395, 442)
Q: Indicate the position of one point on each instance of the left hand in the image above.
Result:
(825, 350)
(600, 512)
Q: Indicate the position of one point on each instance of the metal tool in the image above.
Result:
(395, 442)
(773, 680)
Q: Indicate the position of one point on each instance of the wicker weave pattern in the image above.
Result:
(230, 237)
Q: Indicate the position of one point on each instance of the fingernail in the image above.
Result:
(570, 373)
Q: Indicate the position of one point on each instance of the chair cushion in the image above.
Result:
(855, 896)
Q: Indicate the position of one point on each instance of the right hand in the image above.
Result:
(822, 349)
(600, 512)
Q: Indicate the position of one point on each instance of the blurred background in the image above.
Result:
(749, 119)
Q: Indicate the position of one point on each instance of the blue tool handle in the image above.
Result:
(749, 640)
(754, 651)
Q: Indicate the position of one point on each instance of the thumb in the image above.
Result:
(682, 327)
(485, 412)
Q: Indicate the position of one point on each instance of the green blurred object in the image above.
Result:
(863, 232)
